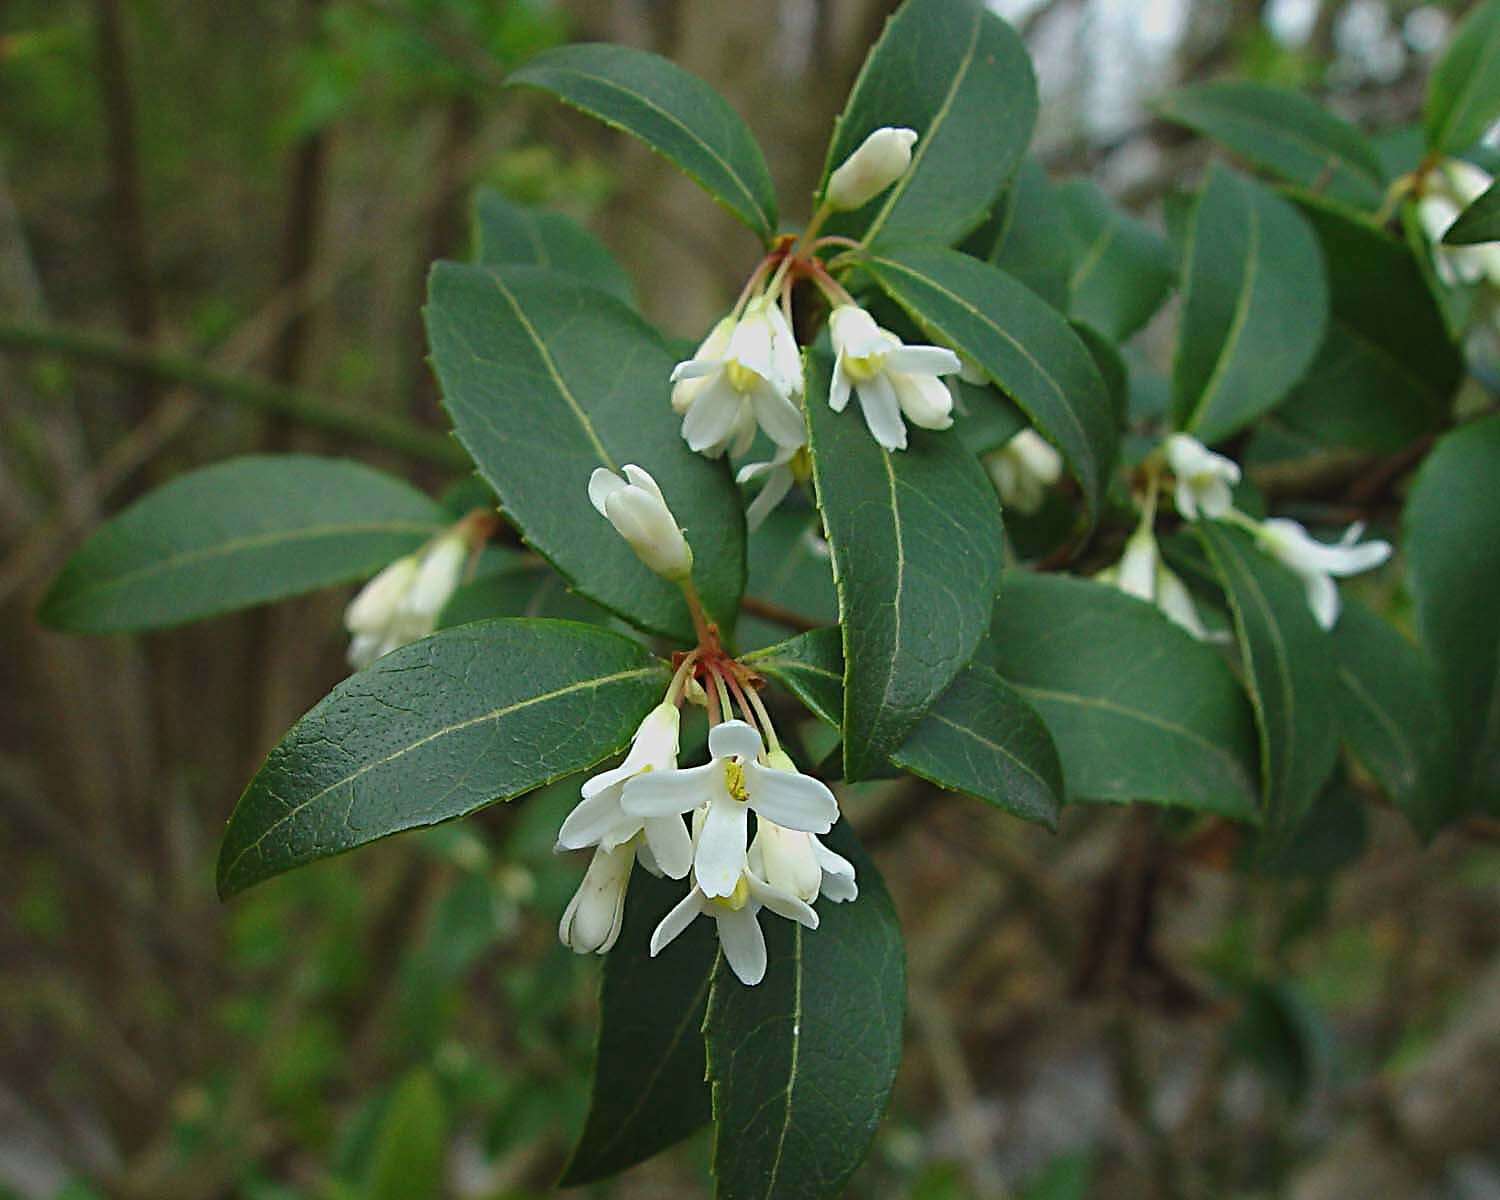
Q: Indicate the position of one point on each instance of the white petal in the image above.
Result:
(1138, 565)
(924, 399)
(1173, 598)
(641, 478)
(670, 845)
(696, 368)
(882, 411)
(719, 860)
(682, 915)
(1037, 456)
(671, 793)
(785, 859)
(838, 874)
(923, 360)
(782, 903)
(838, 390)
(376, 603)
(1187, 499)
(711, 416)
(591, 922)
(751, 345)
(779, 417)
(854, 331)
(791, 799)
(594, 818)
(735, 738)
(442, 568)
(1322, 598)
(364, 650)
(743, 943)
(774, 492)
(603, 484)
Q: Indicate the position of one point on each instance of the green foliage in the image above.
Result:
(1121, 270)
(1480, 222)
(1463, 96)
(236, 534)
(515, 234)
(411, 1145)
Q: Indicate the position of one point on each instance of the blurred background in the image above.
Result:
(201, 200)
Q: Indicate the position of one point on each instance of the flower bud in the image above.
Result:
(881, 159)
(591, 922)
(640, 515)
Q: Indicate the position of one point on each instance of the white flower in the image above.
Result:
(1317, 563)
(1204, 479)
(736, 916)
(747, 378)
(729, 787)
(780, 475)
(591, 922)
(891, 378)
(1449, 188)
(1142, 573)
(640, 515)
(402, 603)
(799, 864)
(1023, 469)
(598, 819)
(882, 158)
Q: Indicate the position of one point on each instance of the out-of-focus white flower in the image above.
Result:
(1023, 469)
(891, 379)
(640, 515)
(599, 820)
(1204, 479)
(402, 603)
(788, 465)
(882, 158)
(736, 919)
(749, 376)
(1449, 188)
(1317, 563)
(1142, 573)
(591, 922)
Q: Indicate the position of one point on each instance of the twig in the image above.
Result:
(769, 610)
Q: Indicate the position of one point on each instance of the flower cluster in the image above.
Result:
(402, 603)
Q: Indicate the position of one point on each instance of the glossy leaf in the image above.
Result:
(962, 79)
(512, 234)
(1480, 222)
(649, 1089)
(237, 534)
(524, 589)
(1392, 716)
(790, 568)
(1026, 347)
(547, 379)
(916, 541)
(1254, 309)
(1387, 369)
(1289, 671)
(1121, 269)
(1451, 533)
(1034, 236)
(672, 111)
(1138, 710)
(1285, 132)
(802, 1064)
(436, 730)
(980, 737)
(1463, 93)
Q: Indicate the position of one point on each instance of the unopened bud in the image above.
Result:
(640, 515)
(881, 159)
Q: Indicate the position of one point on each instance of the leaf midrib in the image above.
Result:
(1238, 321)
(1464, 96)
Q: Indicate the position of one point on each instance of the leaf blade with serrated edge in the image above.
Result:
(553, 696)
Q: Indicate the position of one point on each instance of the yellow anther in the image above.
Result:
(741, 377)
(734, 780)
(736, 899)
(863, 368)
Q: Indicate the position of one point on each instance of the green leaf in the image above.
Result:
(1393, 718)
(1387, 369)
(1463, 94)
(516, 234)
(1480, 222)
(962, 79)
(1285, 132)
(1451, 532)
(983, 417)
(980, 737)
(409, 1149)
(1139, 710)
(802, 1064)
(917, 544)
(547, 379)
(790, 568)
(237, 534)
(1121, 270)
(1254, 310)
(649, 1088)
(436, 730)
(1026, 347)
(672, 111)
(1289, 671)
(519, 590)
(1034, 236)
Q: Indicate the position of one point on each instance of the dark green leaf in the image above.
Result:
(409, 1149)
(674, 112)
(980, 737)
(1332, 834)
(649, 1087)
(1452, 538)
(789, 568)
(1026, 347)
(802, 1064)
(519, 235)
(1392, 715)
(1137, 708)
(917, 542)
(1387, 369)
(436, 730)
(962, 79)
(1034, 236)
(1254, 310)
(236, 534)
(519, 590)
(547, 379)
(1289, 670)
(1120, 269)
(1480, 222)
(1463, 94)
(984, 418)
(1286, 133)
